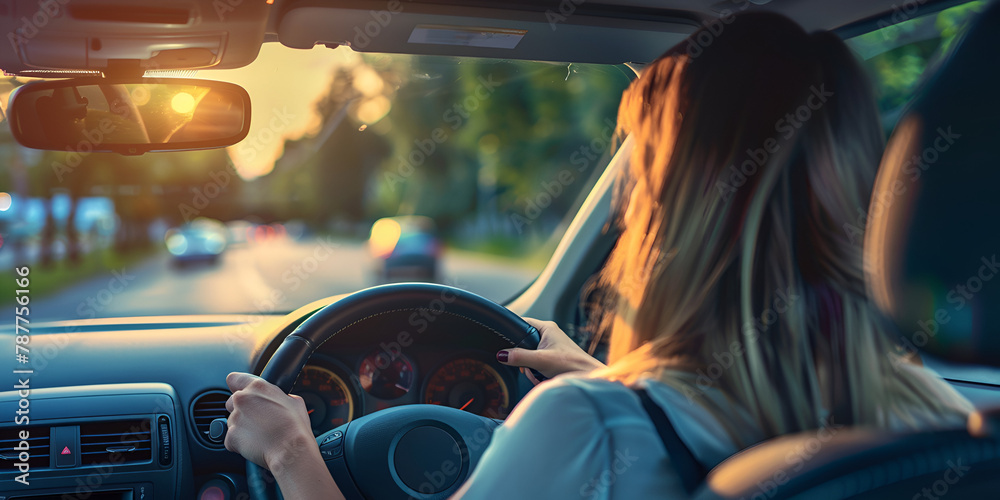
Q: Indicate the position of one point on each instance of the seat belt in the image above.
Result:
(691, 471)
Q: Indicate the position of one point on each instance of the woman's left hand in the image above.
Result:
(266, 426)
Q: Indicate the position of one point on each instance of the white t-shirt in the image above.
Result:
(588, 438)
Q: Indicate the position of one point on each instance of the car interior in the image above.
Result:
(131, 405)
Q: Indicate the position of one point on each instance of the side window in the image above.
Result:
(898, 56)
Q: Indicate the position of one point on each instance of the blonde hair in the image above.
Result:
(733, 264)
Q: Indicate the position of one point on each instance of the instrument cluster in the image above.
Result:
(339, 387)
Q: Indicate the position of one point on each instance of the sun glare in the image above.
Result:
(182, 103)
(284, 85)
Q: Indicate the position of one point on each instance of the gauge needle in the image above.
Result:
(312, 410)
(467, 403)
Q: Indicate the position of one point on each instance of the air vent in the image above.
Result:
(206, 408)
(38, 442)
(118, 442)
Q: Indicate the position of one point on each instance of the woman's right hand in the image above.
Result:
(556, 353)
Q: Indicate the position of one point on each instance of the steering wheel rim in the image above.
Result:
(295, 350)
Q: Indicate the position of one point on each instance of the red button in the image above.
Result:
(62, 440)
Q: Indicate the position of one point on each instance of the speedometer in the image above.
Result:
(327, 398)
(469, 385)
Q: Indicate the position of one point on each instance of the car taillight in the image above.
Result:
(384, 236)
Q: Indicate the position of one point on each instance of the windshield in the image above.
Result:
(358, 170)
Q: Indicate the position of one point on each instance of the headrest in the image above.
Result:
(933, 237)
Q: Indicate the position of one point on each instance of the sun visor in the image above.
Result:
(56, 35)
(454, 30)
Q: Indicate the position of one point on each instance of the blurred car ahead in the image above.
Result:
(405, 248)
(238, 232)
(201, 240)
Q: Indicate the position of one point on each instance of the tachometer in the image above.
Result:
(327, 398)
(469, 385)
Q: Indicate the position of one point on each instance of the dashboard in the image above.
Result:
(167, 375)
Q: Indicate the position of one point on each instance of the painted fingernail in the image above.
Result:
(503, 356)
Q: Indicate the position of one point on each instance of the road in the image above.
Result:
(276, 276)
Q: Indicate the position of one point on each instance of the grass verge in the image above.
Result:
(46, 281)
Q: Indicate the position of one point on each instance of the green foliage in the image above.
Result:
(898, 56)
(469, 142)
(509, 127)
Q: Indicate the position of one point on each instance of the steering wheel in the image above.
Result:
(417, 451)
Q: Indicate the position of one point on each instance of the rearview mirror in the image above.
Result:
(130, 117)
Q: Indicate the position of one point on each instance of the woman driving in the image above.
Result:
(734, 299)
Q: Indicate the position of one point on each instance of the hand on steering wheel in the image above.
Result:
(264, 421)
(272, 429)
(556, 354)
